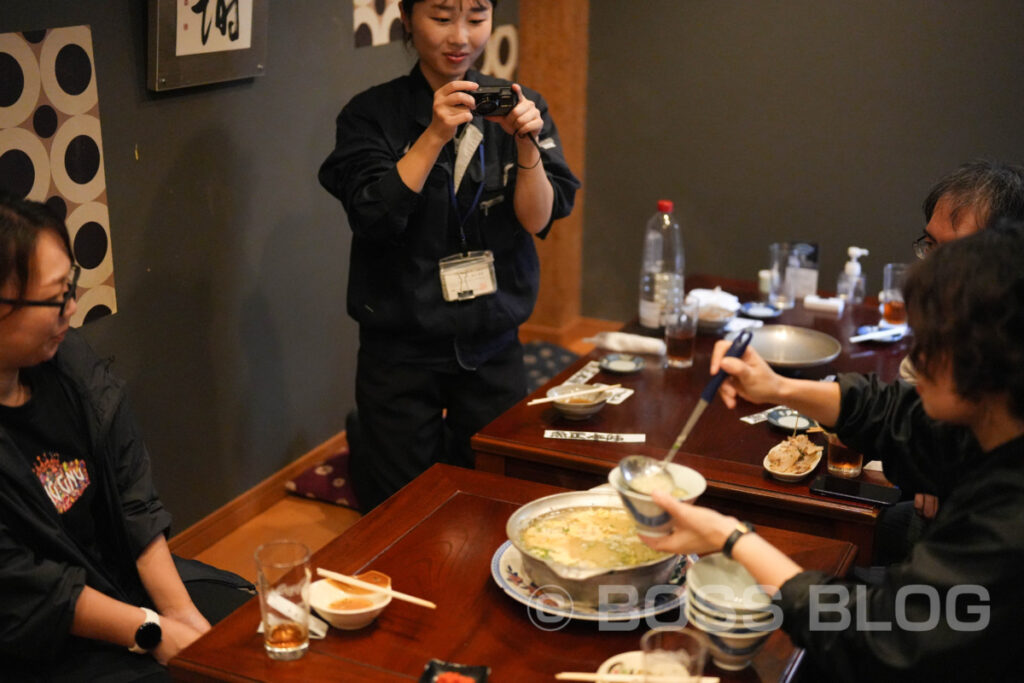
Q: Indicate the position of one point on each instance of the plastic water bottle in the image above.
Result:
(661, 275)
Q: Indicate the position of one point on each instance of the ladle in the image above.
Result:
(644, 474)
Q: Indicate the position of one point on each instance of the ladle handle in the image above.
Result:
(739, 345)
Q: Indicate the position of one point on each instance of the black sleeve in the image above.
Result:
(362, 172)
(887, 422)
(563, 183)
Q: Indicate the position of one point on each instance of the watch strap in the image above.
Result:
(737, 533)
(145, 632)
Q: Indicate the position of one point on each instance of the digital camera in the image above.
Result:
(494, 100)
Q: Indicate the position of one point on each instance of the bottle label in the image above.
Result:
(650, 314)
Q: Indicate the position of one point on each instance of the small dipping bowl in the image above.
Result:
(579, 407)
(713, 319)
(649, 517)
(324, 597)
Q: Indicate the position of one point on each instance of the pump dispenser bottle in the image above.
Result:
(850, 286)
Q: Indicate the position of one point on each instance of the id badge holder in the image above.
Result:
(467, 276)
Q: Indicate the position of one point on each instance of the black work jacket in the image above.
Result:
(394, 288)
(923, 623)
(42, 569)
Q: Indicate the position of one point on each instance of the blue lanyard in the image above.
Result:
(476, 199)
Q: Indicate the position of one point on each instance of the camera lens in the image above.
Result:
(486, 107)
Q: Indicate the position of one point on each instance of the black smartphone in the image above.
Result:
(855, 490)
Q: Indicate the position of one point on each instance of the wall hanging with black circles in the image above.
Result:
(379, 22)
(51, 149)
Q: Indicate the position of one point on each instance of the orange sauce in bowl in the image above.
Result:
(351, 604)
(583, 400)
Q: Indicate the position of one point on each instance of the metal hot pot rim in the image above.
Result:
(583, 585)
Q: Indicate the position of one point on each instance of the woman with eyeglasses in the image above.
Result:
(950, 611)
(445, 198)
(88, 587)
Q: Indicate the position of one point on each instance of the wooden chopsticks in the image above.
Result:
(581, 392)
(351, 580)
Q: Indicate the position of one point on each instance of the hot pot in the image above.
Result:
(584, 585)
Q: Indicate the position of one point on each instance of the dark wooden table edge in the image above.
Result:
(438, 488)
(490, 447)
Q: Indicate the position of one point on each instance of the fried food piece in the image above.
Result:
(796, 455)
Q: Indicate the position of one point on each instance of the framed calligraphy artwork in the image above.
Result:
(196, 42)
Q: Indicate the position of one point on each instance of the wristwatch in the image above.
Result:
(149, 634)
(741, 529)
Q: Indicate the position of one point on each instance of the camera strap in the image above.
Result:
(476, 199)
(467, 275)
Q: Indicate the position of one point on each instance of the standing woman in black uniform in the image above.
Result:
(425, 181)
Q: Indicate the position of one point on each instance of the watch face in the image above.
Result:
(148, 636)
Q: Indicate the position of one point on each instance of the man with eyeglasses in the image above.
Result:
(976, 195)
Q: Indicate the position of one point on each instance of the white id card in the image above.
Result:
(467, 276)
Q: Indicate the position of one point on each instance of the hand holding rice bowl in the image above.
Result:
(649, 517)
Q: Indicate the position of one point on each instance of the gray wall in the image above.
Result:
(824, 120)
(230, 261)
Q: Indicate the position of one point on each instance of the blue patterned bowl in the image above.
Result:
(649, 517)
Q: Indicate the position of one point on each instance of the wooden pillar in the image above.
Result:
(553, 55)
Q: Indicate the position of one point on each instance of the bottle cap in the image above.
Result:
(665, 206)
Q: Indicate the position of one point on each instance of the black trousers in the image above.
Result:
(412, 415)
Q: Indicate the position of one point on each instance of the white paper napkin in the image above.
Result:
(317, 627)
(715, 297)
(628, 343)
(737, 324)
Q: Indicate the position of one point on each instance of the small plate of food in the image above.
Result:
(793, 459)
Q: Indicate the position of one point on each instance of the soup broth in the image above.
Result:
(587, 538)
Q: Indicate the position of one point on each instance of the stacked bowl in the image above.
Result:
(725, 602)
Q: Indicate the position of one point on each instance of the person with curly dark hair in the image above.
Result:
(950, 610)
(974, 195)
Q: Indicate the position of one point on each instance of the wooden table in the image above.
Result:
(728, 452)
(436, 538)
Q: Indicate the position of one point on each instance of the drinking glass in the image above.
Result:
(842, 461)
(680, 332)
(284, 574)
(794, 272)
(894, 311)
(675, 651)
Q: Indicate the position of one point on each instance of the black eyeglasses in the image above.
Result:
(923, 245)
(69, 294)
